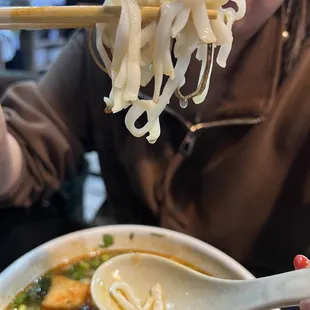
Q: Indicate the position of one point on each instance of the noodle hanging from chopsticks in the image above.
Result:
(142, 52)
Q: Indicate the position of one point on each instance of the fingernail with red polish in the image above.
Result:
(301, 262)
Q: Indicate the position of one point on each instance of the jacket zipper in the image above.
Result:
(188, 143)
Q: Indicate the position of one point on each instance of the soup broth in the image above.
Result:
(53, 290)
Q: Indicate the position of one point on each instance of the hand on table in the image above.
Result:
(301, 262)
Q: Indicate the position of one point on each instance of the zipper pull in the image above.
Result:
(187, 146)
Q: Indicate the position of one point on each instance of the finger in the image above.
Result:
(3, 130)
(305, 305)
(301, 262)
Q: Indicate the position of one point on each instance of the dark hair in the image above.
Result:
(296, 25)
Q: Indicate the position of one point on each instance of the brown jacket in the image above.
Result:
(240, 180)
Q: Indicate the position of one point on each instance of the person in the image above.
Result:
(233, 172)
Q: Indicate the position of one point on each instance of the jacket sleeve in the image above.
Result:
(49, 121)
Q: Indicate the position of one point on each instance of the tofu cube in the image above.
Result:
(65, 293)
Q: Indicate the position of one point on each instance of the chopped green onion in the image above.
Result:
(84, 265)
(21, 298)
(105, 257)
(108, 240)
(95, 262)
(78, 274)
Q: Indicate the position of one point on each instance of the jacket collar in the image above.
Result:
(261, 69)
(246, 104)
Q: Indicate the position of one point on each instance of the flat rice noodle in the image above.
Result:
(121, 38)
(180, 22)
(133, 83)
(141, 54)
(162, 43)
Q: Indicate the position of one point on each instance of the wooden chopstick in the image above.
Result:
(39, 26)
(47, 17)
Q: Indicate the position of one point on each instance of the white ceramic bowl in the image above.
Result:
(38, 261)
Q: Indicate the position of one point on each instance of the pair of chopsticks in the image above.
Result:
(61, 17)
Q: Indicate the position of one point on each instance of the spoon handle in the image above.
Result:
(282, 290)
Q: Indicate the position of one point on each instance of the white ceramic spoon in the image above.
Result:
(184, 288)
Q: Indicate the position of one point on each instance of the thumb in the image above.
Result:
(305, 305)
(301, 262)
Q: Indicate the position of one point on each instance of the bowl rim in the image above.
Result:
(212, 251)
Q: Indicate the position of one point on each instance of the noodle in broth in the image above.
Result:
(68, 286)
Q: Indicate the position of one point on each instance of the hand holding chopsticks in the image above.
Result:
(57, 17)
